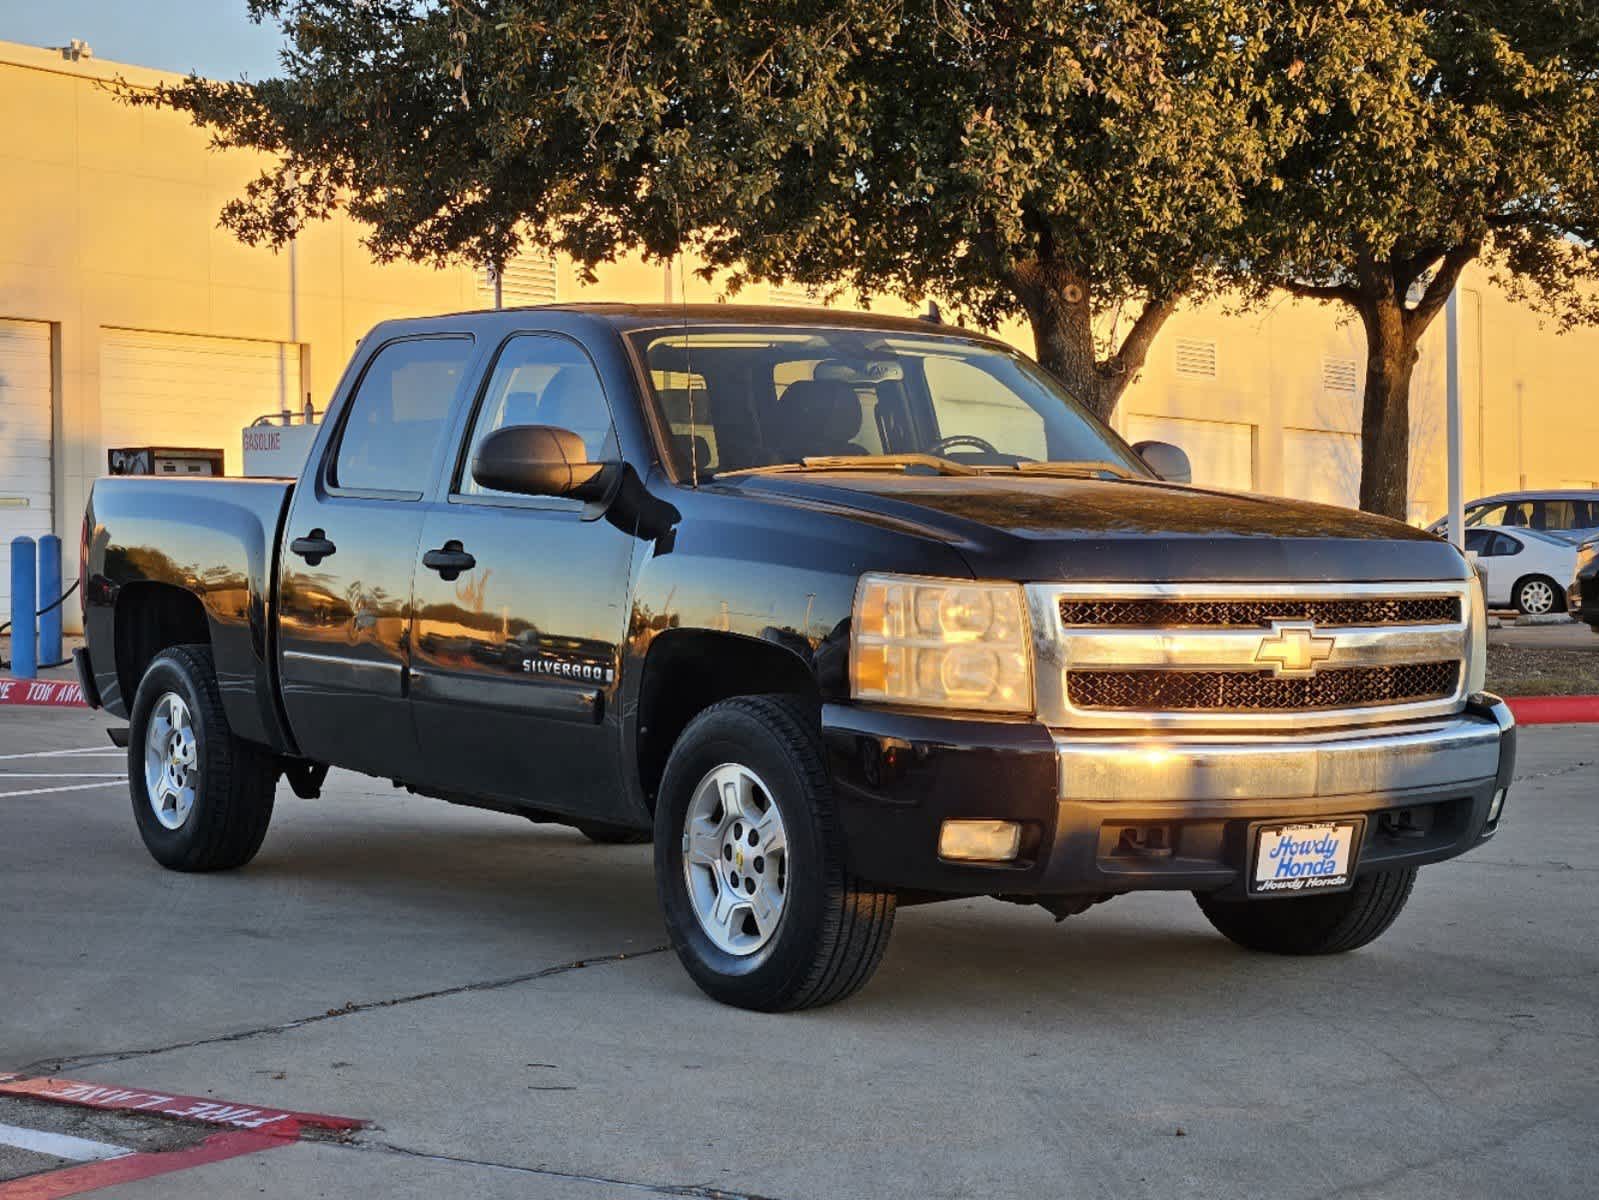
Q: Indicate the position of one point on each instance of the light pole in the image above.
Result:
(1455, 422)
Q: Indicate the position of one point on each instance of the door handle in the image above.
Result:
(449, 560)
(313, 548)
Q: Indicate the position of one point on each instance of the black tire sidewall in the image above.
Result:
(168, 673)
(754, 980)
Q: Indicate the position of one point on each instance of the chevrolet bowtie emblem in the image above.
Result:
(1294, 649)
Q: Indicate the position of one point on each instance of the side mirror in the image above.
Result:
(1167, 461)
(541, 460)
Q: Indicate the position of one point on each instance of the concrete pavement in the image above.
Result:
(492, 996)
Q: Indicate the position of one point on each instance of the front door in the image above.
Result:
(344, 605)
(522, 609)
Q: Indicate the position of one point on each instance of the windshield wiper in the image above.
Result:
(860, 462)
(1068, 470)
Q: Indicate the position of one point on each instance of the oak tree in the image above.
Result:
(1474, 137)
(1080, 164)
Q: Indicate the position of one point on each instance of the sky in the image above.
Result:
(213, 37)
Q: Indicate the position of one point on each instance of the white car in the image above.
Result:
(1523, 568)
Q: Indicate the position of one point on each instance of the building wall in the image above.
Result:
(109, 222)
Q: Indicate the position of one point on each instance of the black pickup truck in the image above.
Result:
(842, 612)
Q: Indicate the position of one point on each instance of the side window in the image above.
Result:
(1478, 541)
(1561, 514)
(541, 380)
(398, 415)
(1504, 546)
(1486, 514)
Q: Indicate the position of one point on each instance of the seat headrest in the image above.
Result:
(818, 414)
(520, 408)
(691, 444)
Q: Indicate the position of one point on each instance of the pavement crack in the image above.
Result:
(72, 1062)
(685, 1191)
(1555, 772)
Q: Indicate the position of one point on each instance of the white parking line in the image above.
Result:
(65, 753)
(59, 1145)
(71, 787)
(4, 774)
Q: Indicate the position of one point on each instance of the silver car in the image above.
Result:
(1572, 515)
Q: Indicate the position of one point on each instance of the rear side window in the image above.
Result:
(398, 415)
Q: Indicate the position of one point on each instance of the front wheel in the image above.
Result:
(749, 863)
(201, 797)
(1304, 925)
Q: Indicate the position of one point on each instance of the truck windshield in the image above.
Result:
(743, 397)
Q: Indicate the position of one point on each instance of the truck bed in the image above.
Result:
(215, 540)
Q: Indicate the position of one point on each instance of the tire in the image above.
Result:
(615, 835)
(830, 930)
(1314, 924)
(1538, 595)
(230, 804)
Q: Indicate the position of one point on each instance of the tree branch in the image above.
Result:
(1340, 293)
(1443, 283)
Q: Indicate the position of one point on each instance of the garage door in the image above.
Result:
(24, 440)
(1222, 452)
(1322, 465)
(172, 389)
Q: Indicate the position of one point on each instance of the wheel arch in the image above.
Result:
(151, 617)
(688, 670)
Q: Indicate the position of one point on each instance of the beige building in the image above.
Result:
(128, 318)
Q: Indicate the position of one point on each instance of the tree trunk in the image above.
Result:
(1063, 338)
(1385, 418)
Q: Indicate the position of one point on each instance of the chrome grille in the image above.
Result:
(1230, 656)
(1257, 691)
(1250, 613)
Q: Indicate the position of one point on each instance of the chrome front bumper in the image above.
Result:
(1462, 750)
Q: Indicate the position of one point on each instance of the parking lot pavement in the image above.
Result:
(493, 997)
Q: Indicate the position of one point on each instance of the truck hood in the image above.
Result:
(1037, 528)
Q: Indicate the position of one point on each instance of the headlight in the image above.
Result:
(1586, 553)
(1477, 629)
(941, 642)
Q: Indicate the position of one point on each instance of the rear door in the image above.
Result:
(515, 656)
(344, 608)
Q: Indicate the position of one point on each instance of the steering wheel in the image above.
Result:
(962, 439)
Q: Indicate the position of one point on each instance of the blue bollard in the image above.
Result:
(24, 605)
(49, 593)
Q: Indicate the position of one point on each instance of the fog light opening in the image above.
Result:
(980, 841)
(1498, 805)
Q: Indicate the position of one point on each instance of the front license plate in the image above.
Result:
(1291, 860)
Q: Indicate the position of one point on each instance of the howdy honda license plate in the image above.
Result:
(1293, 860)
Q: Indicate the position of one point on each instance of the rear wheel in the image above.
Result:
(1307, 925)
(1537, 595)
(749, 863)
(201, 797)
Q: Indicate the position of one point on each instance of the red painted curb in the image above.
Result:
(248, 1129)
(91, 1177)
(279, 1122)
(1554, 710)
(48, 693)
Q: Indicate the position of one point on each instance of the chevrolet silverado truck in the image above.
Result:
(841, 612)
